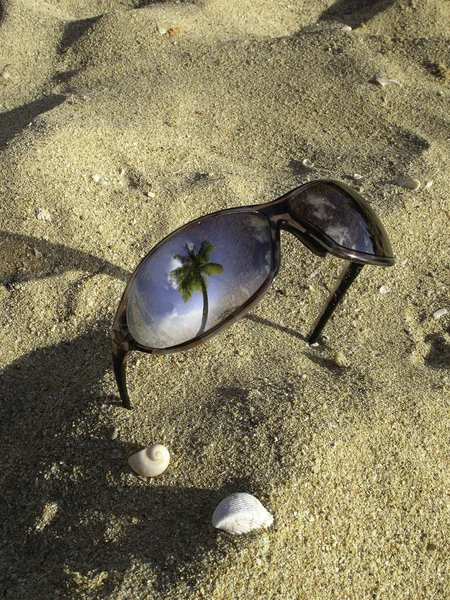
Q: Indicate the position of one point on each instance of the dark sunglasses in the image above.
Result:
(208, 273)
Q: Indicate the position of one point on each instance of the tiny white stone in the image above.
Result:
(409, 183)
(384, 289)
(357, 176)
(307, 163)
(383, 81)
(428, 184)
(439, 313)
(42, 214)
(96, 178)
(346, 28)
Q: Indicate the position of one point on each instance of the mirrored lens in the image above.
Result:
(343, 216)
(198, 277)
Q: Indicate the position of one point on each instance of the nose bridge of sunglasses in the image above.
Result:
(287, 224)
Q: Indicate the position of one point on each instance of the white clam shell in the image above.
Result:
(307, 163)
(383, 81)
(409, 183)
(241, 513)
(151, 461)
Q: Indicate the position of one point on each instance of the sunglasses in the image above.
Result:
(210, 272)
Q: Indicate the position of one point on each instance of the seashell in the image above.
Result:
(383, 82)
(241, 513)
(151, 461)
(409, 183)
(307, 163)
(440, 313)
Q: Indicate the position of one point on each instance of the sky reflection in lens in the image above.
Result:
(348, 222)
(197, 278)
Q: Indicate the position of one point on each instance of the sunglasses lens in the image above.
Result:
(341, 216)
(198, 277)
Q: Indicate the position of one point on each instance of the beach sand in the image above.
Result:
(123, 120)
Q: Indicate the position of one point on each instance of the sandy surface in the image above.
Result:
(122, 121)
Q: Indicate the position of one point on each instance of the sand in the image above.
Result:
(123, 120)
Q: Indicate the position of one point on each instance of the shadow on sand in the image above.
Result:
(49, 453)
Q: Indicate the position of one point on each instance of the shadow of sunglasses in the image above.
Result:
(211, 271)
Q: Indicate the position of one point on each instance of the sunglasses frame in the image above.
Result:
(279, 218)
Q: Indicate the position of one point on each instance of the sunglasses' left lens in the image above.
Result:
(198, 277)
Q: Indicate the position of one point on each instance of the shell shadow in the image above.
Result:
(439, 355)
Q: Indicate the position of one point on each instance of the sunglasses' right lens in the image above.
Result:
(198, 277)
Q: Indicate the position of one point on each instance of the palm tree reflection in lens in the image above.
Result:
(191, 276)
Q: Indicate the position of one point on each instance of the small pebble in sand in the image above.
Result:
(357, 176)
(114, 434)
(428, 184)
(96, 178)
(409, 183)
(346, 28)
(341, 360)
(440, 313)
(383, 81)
(383, 289)
(42, 214)
(174, 31)
(307, 163)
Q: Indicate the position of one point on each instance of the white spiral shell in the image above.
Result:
(151, 461)
(241, 513)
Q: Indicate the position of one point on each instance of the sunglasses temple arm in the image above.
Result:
(348, 275)
(120, 366)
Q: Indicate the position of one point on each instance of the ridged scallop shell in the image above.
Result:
(241, 513)
(151, 461)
